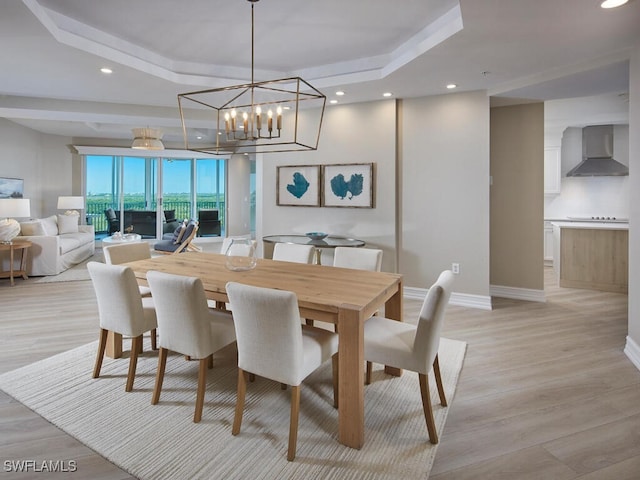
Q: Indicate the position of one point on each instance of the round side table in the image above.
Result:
(22, 247)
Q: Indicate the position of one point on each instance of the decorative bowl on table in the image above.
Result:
(316, 235)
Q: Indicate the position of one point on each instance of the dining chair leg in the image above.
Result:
(426, 406)
(293, 422)
(162, 363)
(154, 339)
(367, 379)
(283, 386)
(210, 361)
(202, 386)
(335, 369)
(252, 377)
(242, 390)
(436, 373)
(136, 347)
(102, 344)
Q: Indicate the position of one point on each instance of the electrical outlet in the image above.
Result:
(455, 268)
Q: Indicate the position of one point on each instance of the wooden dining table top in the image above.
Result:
(321, 290)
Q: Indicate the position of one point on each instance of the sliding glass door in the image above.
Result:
(122, 194)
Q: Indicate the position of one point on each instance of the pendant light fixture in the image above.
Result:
(259, 117)
(147, 139)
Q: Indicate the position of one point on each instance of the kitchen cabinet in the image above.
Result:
(594, 257)
(552, 170)
(548, 244)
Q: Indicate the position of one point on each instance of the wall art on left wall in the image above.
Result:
(11, 187)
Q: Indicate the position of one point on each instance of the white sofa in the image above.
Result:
(57, 244)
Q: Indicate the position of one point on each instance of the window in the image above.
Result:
(128, 186)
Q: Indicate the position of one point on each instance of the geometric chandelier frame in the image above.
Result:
(281, 115)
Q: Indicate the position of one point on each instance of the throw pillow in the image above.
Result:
(50, 225)
(178, 233)
(68, 223)
(32, 228)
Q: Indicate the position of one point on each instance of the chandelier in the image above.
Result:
(281, 115)
(147, 139)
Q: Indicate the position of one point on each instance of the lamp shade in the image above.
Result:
(147, 139)
(15, 207)
(70, 203)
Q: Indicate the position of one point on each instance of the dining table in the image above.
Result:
(342, 296)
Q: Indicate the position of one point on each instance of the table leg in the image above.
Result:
(11, 265)
(351, 378)
(114, 345)
(23, 264)
(393, 310)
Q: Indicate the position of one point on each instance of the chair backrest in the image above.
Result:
(268, 332)
(427, 338)
(190, 233)
(119, 302)
(292, 252)
(126, 252)
(358, 258)
(183, 314)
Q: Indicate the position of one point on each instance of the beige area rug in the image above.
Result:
(75, 273)
(162, 442)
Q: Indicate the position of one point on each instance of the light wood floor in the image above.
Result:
(545, 393)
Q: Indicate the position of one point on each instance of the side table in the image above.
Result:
(21, 246)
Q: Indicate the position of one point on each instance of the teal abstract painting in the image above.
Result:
(348, 185)
(299, 186)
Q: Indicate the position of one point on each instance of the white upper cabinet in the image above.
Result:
(552, 170)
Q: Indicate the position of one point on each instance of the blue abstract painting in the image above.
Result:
(348, 185)
(299, 186)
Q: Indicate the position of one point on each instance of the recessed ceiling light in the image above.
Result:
(199, 137)
(451, 85)
(339, 93)
(106, 70)
(333, 101)
(387, 94)
(613, 3)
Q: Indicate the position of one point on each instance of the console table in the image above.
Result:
(327, 242)
(22, 246)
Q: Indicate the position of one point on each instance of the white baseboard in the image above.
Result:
(460, 299)
(632, 350)
(527, 294)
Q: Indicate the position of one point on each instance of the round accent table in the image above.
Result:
(327, 242)
(126, 238)
(22, 247)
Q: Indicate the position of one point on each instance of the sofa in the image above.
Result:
(58, 243)
(142, 222)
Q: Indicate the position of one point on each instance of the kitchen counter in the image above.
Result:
(593, 225)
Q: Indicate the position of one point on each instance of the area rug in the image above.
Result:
(162, 442)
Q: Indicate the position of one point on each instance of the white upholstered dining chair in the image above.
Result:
(358, 258)
(128, 252)
(292, 252)
(413, 347)
(272, 343)
(187, 326)
(121, 310)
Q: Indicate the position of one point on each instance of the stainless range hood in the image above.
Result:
(597, 154)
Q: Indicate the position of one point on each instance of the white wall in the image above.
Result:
(445, 190)
(357, 133)
(43, 161)
(633, 341)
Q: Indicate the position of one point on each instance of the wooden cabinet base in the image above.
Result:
(595, 259)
